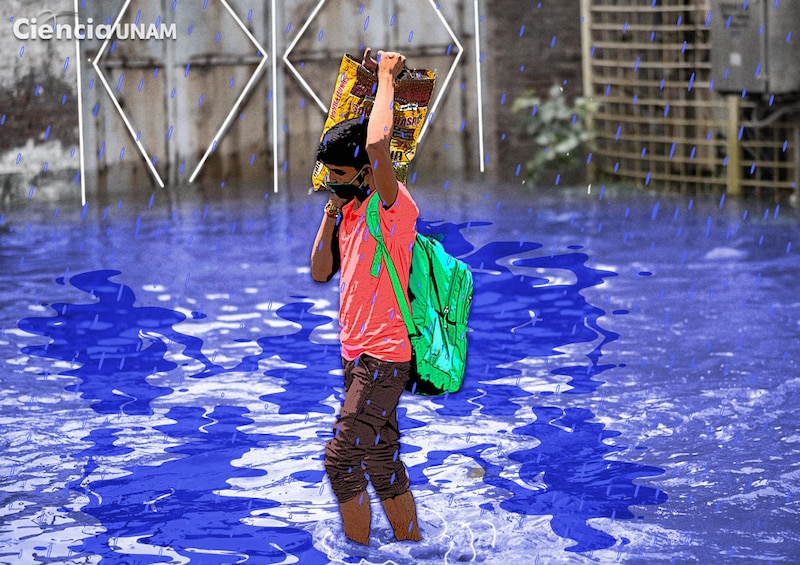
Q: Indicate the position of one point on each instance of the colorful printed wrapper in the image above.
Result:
(353, 97)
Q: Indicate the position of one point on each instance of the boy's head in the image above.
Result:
(344, 144)
(343, 151)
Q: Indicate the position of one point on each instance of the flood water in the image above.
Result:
(171, 375)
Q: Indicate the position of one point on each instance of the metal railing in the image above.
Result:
(661, 124)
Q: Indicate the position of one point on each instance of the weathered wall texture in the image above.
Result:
(177, 93)
(38, 106)
(531, 45)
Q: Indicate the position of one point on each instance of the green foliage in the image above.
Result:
(559, 132)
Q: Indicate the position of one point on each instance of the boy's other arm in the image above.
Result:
(325, 253)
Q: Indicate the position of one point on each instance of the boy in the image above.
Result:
(376, 353)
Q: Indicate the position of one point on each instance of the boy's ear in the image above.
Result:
(368, 173)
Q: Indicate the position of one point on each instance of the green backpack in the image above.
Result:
(440, 292)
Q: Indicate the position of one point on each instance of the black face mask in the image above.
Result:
(352, 189)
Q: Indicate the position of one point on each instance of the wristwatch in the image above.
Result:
(331, 210)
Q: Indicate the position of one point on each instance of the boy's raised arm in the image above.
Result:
(381, 123)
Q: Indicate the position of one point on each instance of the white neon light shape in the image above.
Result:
(289, 64)
(80, 107)
(274, 46)
(225, 124)
(478, 76)
(116, 102)
(432, 111)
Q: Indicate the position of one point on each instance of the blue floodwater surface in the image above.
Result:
(171, 375)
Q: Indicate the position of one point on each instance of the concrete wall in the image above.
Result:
(38, 107)
(174, 110)
(531, 45)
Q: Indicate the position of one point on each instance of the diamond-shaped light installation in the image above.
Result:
(242, 96)
(225, 124)
(324, 108)
(120, 111)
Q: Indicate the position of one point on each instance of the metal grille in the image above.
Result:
(661, 125)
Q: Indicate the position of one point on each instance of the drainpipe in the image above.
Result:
(796, 196)
(586, 71)
(734, 151)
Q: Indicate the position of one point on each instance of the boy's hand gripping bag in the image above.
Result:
(354, 95)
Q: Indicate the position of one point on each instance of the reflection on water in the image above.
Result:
(176, 507)
(115, 344)
(181, 502)
(580, 483)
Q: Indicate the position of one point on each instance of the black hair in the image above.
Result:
(344, 144)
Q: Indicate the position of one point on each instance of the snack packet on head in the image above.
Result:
(353, 97)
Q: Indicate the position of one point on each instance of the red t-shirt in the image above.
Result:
(369, 318)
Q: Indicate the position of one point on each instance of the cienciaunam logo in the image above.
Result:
(49, 25)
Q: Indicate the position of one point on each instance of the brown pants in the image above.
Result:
(365, 436)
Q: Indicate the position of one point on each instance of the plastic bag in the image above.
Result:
(354, 95)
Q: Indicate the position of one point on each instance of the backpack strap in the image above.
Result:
(381, 252)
